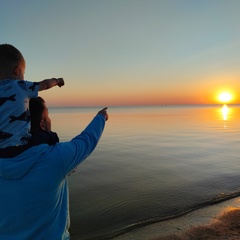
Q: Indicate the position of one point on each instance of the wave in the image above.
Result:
(216, 200)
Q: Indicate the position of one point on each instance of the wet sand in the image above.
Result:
(180, 226)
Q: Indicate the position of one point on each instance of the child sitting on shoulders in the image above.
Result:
(15, 93)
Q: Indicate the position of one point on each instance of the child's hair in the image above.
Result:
(10, 57)
(36, 107)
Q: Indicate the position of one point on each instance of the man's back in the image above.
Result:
(34, 196)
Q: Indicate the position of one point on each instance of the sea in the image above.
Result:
(152, 163)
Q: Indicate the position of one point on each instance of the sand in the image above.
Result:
(206, 216)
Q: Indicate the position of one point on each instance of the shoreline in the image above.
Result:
(180, 225)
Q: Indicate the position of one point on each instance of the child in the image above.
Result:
(14, 101)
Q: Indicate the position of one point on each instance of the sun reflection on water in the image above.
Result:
(226, 115)
(225, 111)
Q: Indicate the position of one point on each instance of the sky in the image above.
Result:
(128, 52)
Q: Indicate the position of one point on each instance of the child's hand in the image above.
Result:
(104, 112)
(60, 82)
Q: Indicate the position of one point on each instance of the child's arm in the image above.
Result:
(49, 83)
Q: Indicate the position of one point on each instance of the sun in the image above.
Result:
(225, 97)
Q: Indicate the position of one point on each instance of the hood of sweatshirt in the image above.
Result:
(17, 167)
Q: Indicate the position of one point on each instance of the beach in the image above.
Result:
(179, 226)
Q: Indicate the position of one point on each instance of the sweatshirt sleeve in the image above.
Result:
(81, 146)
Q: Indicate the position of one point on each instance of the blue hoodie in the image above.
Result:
(34, 189)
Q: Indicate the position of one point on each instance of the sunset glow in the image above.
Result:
(225, 97)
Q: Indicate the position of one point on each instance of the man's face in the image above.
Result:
(46, 121)
(20, 71)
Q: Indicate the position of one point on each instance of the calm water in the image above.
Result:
(151, 163)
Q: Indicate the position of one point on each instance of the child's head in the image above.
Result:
(12, 63)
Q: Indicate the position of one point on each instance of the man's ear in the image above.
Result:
(16, 71)
(42, 125)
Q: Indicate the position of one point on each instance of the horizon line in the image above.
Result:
(147, 105)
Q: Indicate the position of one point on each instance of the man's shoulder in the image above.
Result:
(41, 137)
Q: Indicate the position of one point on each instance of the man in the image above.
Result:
(34, 189)
(41, 123)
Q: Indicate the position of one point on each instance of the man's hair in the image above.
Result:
(36, 107)
(10, 57)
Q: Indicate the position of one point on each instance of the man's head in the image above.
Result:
(39, 115)
(12, 63)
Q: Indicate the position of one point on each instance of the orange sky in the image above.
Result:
(128, 52)
(181, 94)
